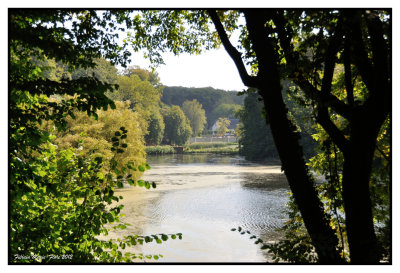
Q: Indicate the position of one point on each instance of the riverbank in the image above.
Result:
(229, 148)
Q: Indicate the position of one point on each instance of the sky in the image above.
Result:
(212, 68)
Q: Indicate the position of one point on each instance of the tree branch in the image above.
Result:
(382, 92)
(333, 131)
(347, 73)
(379, 50)
(232, 51)
(325, 98)
(352, 20)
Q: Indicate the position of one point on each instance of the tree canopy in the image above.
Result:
(195, 113)
(60, 200)
(177, 126)
(208, 97)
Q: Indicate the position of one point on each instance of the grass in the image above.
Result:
(159, 150)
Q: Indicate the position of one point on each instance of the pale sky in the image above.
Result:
(212, 68)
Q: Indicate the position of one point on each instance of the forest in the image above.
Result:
(319, 99)
(216, 103)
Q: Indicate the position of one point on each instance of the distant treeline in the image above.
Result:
(216, 102)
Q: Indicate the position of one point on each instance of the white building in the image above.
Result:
(231, 127)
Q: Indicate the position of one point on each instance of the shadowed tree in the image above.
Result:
(177, 126)
(303, 46)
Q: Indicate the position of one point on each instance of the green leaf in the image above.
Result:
(141, 168)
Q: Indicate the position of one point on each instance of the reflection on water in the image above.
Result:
(203, 197)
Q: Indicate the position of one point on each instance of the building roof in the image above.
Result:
(233, 124)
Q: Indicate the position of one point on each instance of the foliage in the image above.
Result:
(69, 201)
(195, 113)
(143, 90)
(104, 71)
(141, 94)
(204, 145)
(98, 135)
(164, 31)
(225, 110)
(155, 129)
(256, 141)
(61, 199)
(144, 75)
(307, 46)
(208, 97)
(177, 126)
(231, 150)
(223, 124)
(297, 247)
(159, 150)
(255, 134)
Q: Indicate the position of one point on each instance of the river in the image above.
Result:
(203, 197)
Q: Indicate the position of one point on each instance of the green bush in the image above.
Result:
(60, 209)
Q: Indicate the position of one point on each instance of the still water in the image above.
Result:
(203, 197)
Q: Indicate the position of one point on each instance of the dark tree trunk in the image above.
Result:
(300, 181)
(356, 178)
(287, 144)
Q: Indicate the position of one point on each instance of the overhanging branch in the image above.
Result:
(232, 51)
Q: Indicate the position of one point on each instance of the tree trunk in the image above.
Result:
(357, 202)
(300, 181)
(287, 143)
(286, 140)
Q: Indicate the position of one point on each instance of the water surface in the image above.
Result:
(203, 197)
